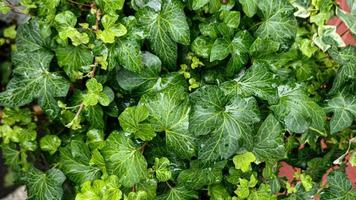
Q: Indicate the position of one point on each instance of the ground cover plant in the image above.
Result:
(179, 99)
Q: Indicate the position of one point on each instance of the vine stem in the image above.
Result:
(142, 149)
(15, 9)
(81, 4)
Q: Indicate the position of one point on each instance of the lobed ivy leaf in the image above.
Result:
(165, 29)
(339, 187)
(34, 81)
(249, 7)
(44, 186)
(73, 58)
(178, 193)
(221, 122)
(344, 109)
(298, 111)
(197, 4)
(134, 120)
(124, 159)
(278, 22)
(74, 162)
(257, 81)
(199, 175)
(268, 143)
(162, 169)
(169, 113)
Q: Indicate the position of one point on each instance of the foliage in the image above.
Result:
(171, 99)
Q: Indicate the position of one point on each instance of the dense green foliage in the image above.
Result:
(178, 99)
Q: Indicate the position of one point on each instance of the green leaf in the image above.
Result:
(231, 18)
(111, 30)
(269, 143)
(263, 47)
(298, 111)
(32, 37)
(221, 121)
(220, 50)
(110, 6)
(197, 4)
(178, 193)
(134, 120)
(129, 55)
(169, 112)
(95, 94)
(243, 161)
(217, 192)
(348, 18)
(33, 80)
(50, 143)
(74, 162)
(240, 46)
(72, 59)
(257, 81)
(124, 159)
(100, 189)
(339, 188)
(65, 19)
(344, 109)
(44, 186)
(199, 175)
(249, 7)
(162, 169)
(165, 29)
(10, 32)
(202, 46)
(278, 23)
(95, 116)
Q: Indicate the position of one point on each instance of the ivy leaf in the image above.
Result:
(220, 49)
(134, 120)
(95, 116)
(344, 109)
(162, 170)
(298, 111)
(64, 23)
(74, 162)
(221, 121)
(72, 58)
(243, 161)
(178, 193)
(32, 80)
(257, 81)
(106, 189)
(32, 37)
(95, 94)
(129, 55)
(110, 6)
(124, 159)
(240, 46)
(44, 186)
(50, 143)
(111, 29)
(278, 23)
(268, 143)
(169, 112)
(217, 192)
(202, 46)
(199, 175)
(165, 29)
(339, 186)
(197, 4)
(249, 7)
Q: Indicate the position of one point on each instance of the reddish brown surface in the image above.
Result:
(287, 170)
(342, 29)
